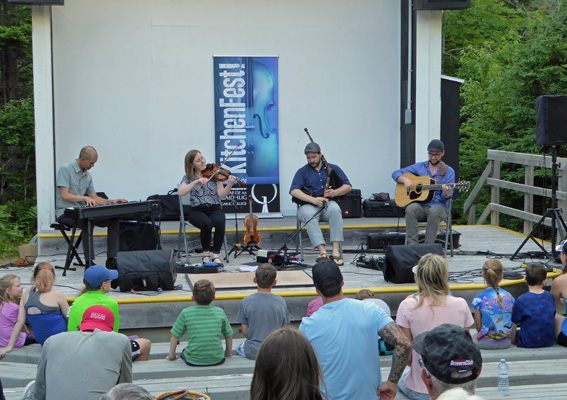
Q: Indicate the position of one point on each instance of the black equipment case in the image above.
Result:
(146, 270)
(374, 208)
(169, 205)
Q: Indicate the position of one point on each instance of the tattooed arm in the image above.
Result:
(394, 336)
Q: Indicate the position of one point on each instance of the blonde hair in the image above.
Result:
(44, 277)
(189, 158)
(492, 272)
(432, 278)
(6, 283)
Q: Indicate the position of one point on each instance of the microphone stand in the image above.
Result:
(284, 248)
(237, 244)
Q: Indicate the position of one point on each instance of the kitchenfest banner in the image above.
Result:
(246, 119)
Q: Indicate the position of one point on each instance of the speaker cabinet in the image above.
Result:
(401, 259)
(551, 126)
(136, 236)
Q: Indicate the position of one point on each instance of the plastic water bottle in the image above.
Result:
(503, 379)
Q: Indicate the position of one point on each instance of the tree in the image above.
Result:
(508, 53)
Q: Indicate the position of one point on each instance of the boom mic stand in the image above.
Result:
(557, 222)
(284, 248)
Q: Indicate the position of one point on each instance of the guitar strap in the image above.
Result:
(442, 171)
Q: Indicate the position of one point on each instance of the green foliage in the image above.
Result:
(508, 53)
(17, 146)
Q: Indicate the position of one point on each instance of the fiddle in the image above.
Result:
(220, 174)
(251, 223)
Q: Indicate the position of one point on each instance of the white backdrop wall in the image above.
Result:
(134, 79)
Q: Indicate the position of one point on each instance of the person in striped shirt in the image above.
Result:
(205, 326)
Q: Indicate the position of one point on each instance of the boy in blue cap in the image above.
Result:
(97, 280)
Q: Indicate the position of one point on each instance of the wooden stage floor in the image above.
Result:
(477, 244)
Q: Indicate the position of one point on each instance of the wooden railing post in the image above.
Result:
(495, 194)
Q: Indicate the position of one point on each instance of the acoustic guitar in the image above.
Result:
(425, 188)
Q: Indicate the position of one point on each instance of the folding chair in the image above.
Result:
(183, 223)
(72, 246)
(447, 231)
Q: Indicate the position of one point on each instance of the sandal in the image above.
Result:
(217, 258)
(208, 261)
(322, 257)
(339, 260)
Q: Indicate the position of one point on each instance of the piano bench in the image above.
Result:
(72, 246)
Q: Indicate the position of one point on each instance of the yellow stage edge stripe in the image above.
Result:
(311, 292)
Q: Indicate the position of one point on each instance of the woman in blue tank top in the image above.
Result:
(45, 309)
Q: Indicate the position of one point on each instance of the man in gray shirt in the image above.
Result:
(96, 352)
(261, 313)
(76, 189)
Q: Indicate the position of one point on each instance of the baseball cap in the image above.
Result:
(312, 148)
(436, 145)
(97, 317)
(449, 353)
(97, 274)
(326, 269)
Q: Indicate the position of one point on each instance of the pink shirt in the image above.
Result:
(455, 311)
(314, 305)
(8, 318)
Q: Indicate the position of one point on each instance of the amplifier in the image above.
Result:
(351, 205)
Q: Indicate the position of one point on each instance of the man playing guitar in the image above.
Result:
(437, 209)
(310, 188)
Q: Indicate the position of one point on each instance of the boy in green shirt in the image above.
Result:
(205, 325)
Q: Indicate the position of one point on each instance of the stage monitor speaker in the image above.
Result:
(136, 236)
(146, 270)
(551, 126)
(401, 259)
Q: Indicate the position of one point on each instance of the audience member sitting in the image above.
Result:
(10, 291)
(559, 293)
(367, 295)
(493, 310)
(127, 391)
(286, 368)
(313, 306)
(46, 310)
(433, 306)
(449, 359)
(205, 325)
(97, 282)
(84, 365)
(534, 311)
(344, 334)
(261, 313)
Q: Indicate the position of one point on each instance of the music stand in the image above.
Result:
(553, 213)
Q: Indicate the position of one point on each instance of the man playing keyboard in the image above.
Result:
(76, 189)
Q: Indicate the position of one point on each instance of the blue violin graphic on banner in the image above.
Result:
(246, 114)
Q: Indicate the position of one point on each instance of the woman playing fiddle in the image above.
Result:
(206, 195)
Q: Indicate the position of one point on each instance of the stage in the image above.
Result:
(147, 310)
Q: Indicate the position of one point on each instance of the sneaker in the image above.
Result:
(28, 391)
